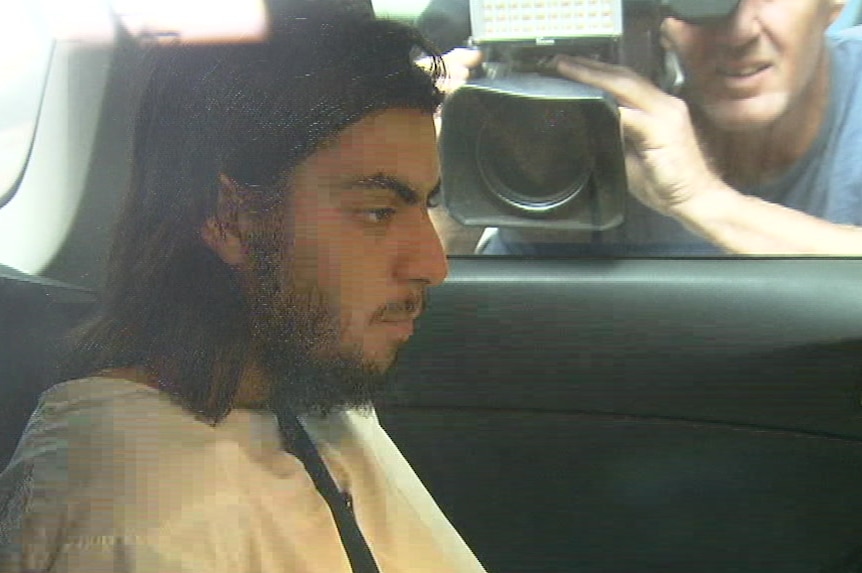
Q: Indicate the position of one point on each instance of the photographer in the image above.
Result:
(759, 155)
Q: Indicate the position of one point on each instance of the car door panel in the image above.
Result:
(616, 415)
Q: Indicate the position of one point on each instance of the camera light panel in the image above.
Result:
(543, 21)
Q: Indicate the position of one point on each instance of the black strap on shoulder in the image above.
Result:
(358, 553)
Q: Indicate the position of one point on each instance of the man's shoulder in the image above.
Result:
(846, 44)
(853, 33)
(111, 454)
(94, 418)
(846, 49)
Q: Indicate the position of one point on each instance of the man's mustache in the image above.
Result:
(405, 309)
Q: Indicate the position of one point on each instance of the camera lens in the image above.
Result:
(535, 155)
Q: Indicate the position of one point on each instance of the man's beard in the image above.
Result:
(297, 338)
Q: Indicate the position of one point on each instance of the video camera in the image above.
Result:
(522, 147)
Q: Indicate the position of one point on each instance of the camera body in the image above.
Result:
(522, 147)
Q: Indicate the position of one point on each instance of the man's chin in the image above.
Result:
(752, 114)
(383, 357)
(383, 362)
(323, 386)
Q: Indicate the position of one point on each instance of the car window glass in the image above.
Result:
(525, 177)
(25, 49)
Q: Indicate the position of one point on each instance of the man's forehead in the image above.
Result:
(393, 137)
(390, 125)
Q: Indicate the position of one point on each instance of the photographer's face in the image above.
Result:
(765, 60)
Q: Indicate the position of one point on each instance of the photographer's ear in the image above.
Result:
(673, 76)
(665, 34)
(222, 232)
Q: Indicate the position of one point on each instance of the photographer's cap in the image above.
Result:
(697, 11)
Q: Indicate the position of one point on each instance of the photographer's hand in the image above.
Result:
(668, 171)
(666, 167)
(459, 62)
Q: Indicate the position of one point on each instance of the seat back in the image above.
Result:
(35, 318)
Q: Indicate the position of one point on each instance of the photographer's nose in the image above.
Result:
(742, 26)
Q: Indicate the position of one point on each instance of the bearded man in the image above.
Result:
(272, 257)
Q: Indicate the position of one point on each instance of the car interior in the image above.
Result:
(567, 414)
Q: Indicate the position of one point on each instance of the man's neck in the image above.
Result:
(253, 390)
(755, 157)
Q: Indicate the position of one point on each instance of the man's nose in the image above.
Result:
(742, 26)
(421, 256)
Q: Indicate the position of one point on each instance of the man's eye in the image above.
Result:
(434, 200)
(381, 215)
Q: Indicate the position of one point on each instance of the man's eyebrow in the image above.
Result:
(404, 191)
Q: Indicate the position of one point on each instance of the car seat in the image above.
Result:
(36, 315)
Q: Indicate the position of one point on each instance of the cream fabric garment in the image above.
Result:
(114, 476)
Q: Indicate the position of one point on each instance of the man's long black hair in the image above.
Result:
(251, 112)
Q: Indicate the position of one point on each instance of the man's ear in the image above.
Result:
(222, 232)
